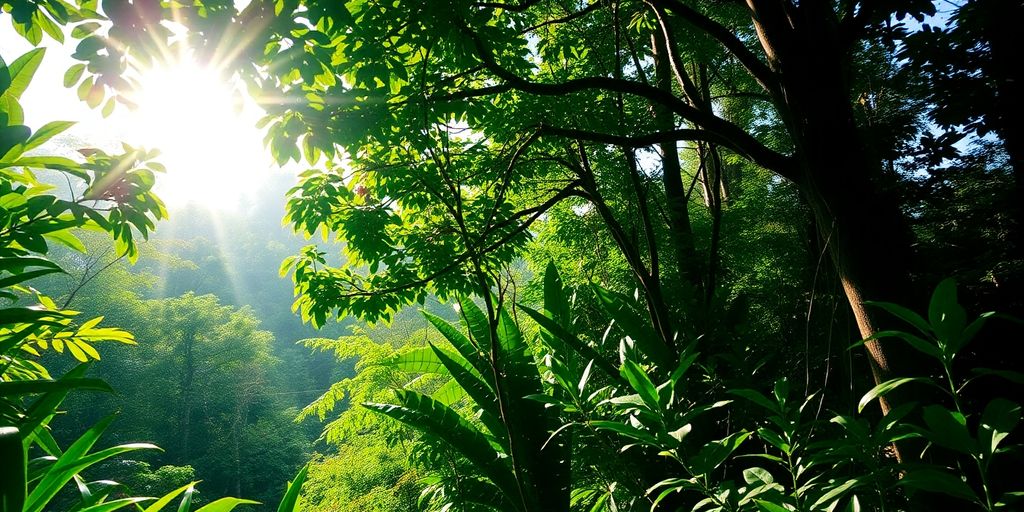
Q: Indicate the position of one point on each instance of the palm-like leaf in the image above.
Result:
(75, 459)
(636, 326)
(473, 354)
(570, 342)
(109, 506)
(476, 323)
(438, 420)
(481, 393)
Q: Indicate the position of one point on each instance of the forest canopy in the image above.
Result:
(539, 255)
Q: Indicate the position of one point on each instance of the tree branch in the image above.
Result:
(727, 134)
(759, 70)
(780, 164)
(672, 51)
(533, 214)
(592, 7)
(508, 7)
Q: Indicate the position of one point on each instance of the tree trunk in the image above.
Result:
(1002, 31)
(711, 164)
(678, 213)
(860, 224)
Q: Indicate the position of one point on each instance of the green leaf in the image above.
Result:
(680, 433)
(22, 70)
(757, 475)
(635, 326)
(686, 361)
(45, 133)
(114, 505)
(108, 108)
(904, 314)
(476, 324)
(449, 393)
(226, 505)
(12, 140)
(948, 429)
(13, 458)
(461, 343)
(836, 493)
(14, 264)
(948, 319)
(933, 480)
(45, 406)
(853, 505)
(186, 501)
(5, 76)
(699, 410)
(418, 360)
(770, 437)
(713, 454)
(671, 485)
(73, 74)
(781, 391)
(629, 431)
(435, 419)
(999, 419)
(756, 397)
(291, 497)
(42, 438)
(554, 295)
(44, 22)
(584, 351)
(164, 500)
(919, 344)
(26, 276)
(43, 162)
(884, 388)
(943, 299)
(84, 29)
(471, 382)
(642, 384)
(67, 466)
(767, 506)
(510, 338)
(67, 239)
(584, 378)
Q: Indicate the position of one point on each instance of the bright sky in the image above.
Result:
(204, 129)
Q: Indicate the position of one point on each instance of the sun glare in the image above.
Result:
(205, 131)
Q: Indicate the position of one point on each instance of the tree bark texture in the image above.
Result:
(860, 224)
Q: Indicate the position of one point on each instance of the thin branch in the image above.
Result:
(508, 7)
(672, 49)
(728, 134)
(507, 178)
(85, 280)
(741, 94)
(757, 69)
(645, 215)
(590, 8)
(534, 214)
(778, 163)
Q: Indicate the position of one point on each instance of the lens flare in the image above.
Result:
(205, 130)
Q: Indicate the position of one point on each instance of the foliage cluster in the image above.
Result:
(783, 454)
(108, 193)
(755, 173)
